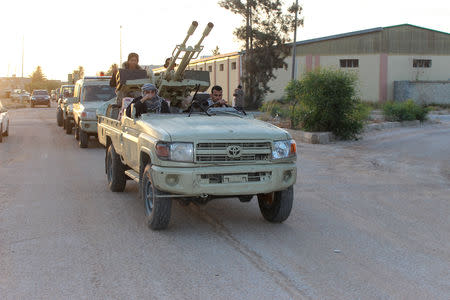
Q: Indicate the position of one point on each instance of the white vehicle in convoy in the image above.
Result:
(90, 93)
(4, 122)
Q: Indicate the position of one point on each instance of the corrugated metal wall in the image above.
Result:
(402, 39)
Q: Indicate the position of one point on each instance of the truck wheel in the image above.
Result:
(59, 117)
(84, 138)
(68, 126)
(157, 209)
(77, 133)
(32, 105)
(276, 207)
(115, 171)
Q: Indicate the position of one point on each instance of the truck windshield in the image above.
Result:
(68, 92)
(98, 93)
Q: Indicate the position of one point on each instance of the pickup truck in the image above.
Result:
(200, 156)
(90, 93)
(64, 116)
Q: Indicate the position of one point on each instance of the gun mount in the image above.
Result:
(175, 83)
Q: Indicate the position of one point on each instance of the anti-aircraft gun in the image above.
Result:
(175, 83)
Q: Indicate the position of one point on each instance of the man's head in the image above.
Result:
(216, 93)
(149, 89)
(133, 60)
(239, 86)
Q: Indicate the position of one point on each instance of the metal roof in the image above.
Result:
(359, 32)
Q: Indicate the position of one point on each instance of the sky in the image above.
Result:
(62, 35)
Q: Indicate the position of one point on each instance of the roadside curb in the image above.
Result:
(328, 137)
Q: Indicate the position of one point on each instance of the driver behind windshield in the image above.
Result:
(215, 99)
(149, 102)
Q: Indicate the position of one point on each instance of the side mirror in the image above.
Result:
(133, 112)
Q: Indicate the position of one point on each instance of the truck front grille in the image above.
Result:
(235, 178)
(232, 151)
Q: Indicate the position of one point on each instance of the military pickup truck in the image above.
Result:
(63, 93)
(199, 157)
(196, 153)
(90, 93)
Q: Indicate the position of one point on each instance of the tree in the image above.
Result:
(38, 80)
(265, 32)
(110, 70)
(216, 51)
(81, 71)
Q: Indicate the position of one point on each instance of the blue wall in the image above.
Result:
(423, 91)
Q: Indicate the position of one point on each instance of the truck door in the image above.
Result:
(130, 143)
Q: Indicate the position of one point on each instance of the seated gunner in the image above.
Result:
(149, 102)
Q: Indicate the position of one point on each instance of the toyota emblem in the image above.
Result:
(234, 151)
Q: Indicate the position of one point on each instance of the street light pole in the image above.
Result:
(120, 46)
(295, 41)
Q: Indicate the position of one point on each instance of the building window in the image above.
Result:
(233, 66)
(210, 68)
(349, 63)
(421, 63)
(221, 67)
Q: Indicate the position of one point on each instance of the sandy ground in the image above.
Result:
(370, 221)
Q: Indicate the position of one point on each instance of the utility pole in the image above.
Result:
(294, 47)
(23, 51)
(120, 65)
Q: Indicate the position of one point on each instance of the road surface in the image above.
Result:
(370, 221)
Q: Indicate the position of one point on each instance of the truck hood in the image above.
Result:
(202, 127)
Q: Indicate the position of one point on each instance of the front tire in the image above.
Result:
(68, 126)
(77, 133)
(157, 209)
(84, 138)
(59, 117)
(276, 206)
(115, 171)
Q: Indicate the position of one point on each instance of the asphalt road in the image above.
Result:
(370, 221)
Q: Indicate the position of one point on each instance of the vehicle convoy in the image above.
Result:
(89, 93)
(4, 122)
(64, 108)
(198, 154)
(40, 97)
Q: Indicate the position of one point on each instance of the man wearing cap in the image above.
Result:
(149, 102)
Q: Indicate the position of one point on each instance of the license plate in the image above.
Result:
(235, 178)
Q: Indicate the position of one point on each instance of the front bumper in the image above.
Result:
(40, 101)
(89, 126)
(225, 180)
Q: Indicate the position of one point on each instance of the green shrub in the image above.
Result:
(404, 111)
(327, 102)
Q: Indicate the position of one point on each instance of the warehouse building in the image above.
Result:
(381, 57)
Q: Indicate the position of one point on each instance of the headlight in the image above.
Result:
(284, 149)
(33, 98)
(89, 115)
(175, 151)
